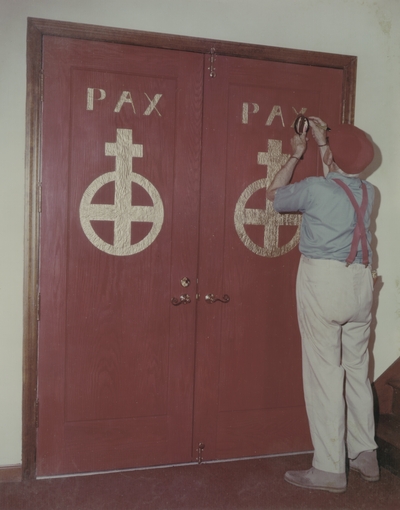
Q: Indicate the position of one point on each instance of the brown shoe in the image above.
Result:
(367, 465)
(316, 479)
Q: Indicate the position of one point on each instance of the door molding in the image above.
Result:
(36, 29)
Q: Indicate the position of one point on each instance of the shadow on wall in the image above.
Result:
(372, 168)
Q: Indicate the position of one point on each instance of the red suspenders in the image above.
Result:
(359, 231)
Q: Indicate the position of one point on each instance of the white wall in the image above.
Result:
(369, 29)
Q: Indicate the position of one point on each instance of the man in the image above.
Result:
(334, 299)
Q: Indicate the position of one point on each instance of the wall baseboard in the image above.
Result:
(11, 473)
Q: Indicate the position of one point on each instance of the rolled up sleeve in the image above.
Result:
(292, 198)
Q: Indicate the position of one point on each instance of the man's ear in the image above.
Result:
(328, 157)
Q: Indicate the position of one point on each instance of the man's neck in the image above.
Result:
(334, 168)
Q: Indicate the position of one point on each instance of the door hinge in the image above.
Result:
(39, 197)
(38, 306)
(212, 68)
(37, 414)
(200, 452)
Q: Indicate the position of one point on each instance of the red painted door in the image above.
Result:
(249, 398)
(125, 377)
(120, 179)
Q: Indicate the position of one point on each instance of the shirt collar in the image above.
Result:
(347, 180)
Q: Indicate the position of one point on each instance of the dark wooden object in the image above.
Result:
(387, 393)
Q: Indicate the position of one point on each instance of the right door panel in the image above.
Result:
(248, 390)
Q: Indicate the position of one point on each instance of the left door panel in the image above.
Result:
(119, 230)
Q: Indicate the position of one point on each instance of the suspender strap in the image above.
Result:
(359, 231)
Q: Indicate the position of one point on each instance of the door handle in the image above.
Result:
(211, 298)
(184, 299)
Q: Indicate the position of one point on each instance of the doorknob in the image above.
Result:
(211, 298)
(184, 299)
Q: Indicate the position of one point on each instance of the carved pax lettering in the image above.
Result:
(276, 113)
(94, 95)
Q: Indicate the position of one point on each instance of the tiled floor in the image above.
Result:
(246, 484)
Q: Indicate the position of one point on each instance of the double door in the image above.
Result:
(168, 329)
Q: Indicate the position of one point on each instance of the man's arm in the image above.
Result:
(283, 177)
(319, 132)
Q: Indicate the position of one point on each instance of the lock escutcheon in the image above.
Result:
(185, 282)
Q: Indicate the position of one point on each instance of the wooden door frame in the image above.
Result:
(36, 29)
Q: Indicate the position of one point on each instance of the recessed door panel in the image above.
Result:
(248, 349)
(121, 153)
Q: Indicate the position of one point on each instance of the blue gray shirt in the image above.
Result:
(329, 218)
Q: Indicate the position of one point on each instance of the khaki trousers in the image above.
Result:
(334, 312)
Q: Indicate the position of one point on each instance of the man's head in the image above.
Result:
(351, 150)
